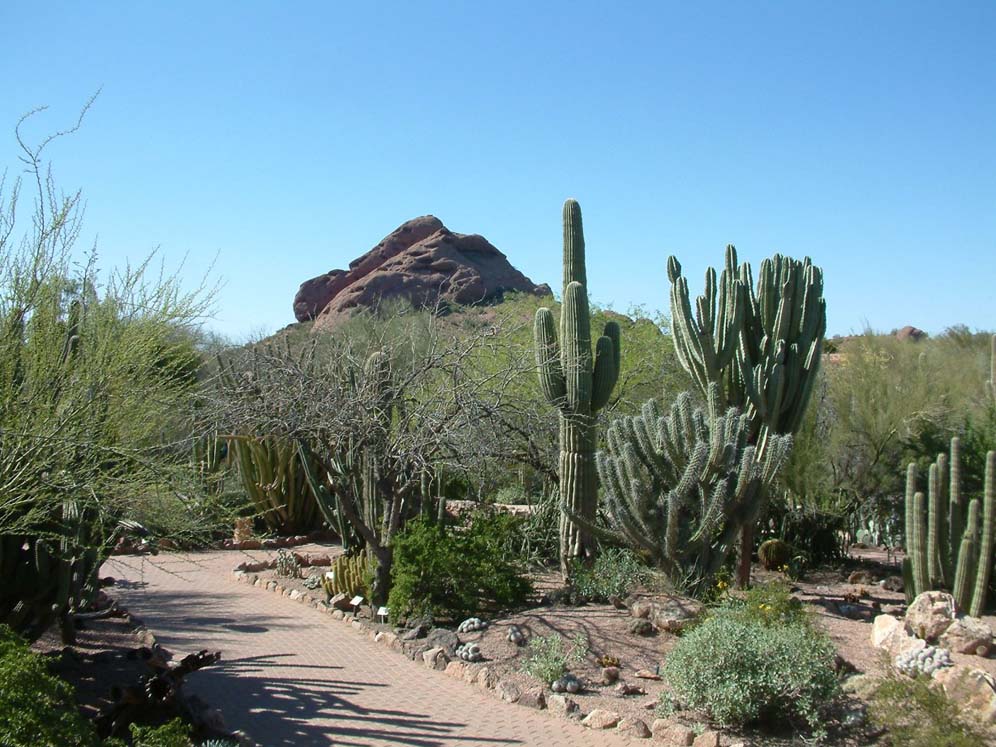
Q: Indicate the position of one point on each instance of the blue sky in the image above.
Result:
(288, 138)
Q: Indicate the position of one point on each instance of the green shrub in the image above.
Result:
(452, 573)
(176, 733)
(771, 603)
(615, 573)
(36, 708)
(547, 659)
(740, 670)
(915, 713)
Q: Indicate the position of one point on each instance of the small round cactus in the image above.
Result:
(924, 661)
(469, 652)
(566, 684)
(471, 625)
(516, 635)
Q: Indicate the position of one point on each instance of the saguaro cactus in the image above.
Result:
(578, 384)
(948, 544)
(761, 347)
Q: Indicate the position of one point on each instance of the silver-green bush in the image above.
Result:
(741, 671)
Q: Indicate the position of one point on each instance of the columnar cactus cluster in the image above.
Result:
(578, 383)
(949, 541)
(679, 486)
(761, 347)
(346, 575)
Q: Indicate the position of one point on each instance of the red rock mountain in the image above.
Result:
(421, 261)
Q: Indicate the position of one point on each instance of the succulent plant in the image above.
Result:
(472, 624)
(679, 487)
(578, 382)
(347, 575)
(287, 566)
(949, 541)
(774, 554)
(924, 661)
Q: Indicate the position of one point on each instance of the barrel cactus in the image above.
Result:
(578, 383)
(774, 554)
(949, 540)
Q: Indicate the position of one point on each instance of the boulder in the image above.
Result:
(634, 727)
(930, 614)
(435, 658)
(562, 705)
(600, 719)
(340, 602)
(706, 739)
(910, 333)
(672, 734)
(443, 638)
(670, 613)
(534, 697)
(971, 688)
(422, 262)
(508, 691)
(968, 635)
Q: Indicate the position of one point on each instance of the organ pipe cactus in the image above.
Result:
(273, 475)
(949, 543)
(347, 575)
(678, 487)
(578, 383)
(761, 347)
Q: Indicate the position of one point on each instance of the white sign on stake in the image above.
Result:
(356, 601)
(383, 612)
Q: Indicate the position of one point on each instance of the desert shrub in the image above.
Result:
(175, 733)
(915, 713)
(36, 708)
(452, 573)
(536, 539)
(740, 670)
(615, 573)
(767, 604)
(548, 658)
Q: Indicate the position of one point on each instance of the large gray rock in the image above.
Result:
(443, 638)
(931, 613)
(421, 262)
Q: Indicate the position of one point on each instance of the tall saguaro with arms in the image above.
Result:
(578, 383)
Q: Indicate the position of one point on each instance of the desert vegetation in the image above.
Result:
(462, 457)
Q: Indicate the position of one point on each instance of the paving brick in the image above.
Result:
(292, 676)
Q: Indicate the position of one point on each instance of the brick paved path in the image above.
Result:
(290, 675)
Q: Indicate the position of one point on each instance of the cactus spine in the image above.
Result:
(578, 384)
(950, 545)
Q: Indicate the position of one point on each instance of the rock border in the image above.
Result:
(480, 674)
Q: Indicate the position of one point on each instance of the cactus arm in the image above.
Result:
(986, 542)
(933, 526)
(918, 552)
(967, 557)
(551, 373)
(604, 374)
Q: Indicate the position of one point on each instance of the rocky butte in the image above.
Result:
(422, 262)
